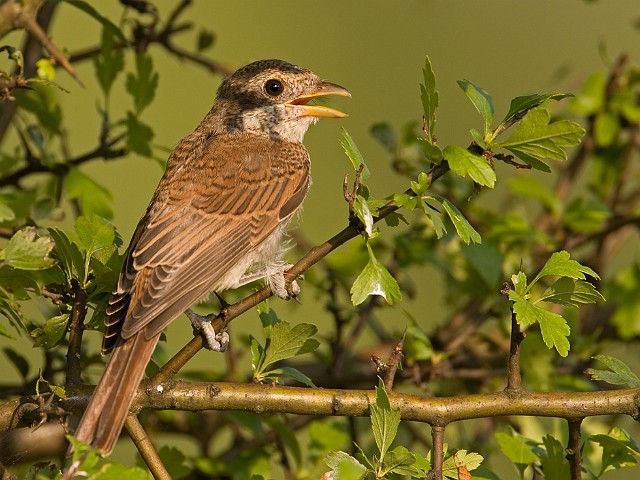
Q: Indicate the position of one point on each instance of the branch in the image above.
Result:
(574, 453)
(76, 326)
(437, 453)
(146, 449)
(258, 398)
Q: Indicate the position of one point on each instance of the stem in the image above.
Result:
(437, 454)
(574, 452)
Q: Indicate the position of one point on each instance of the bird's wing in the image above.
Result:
(207, 215)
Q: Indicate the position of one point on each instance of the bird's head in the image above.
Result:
(272, 97)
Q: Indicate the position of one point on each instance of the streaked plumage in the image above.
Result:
(215, 222)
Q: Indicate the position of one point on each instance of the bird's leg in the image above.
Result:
(218, 342)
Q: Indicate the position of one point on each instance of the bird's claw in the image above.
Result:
(283, 287)
(218, 342)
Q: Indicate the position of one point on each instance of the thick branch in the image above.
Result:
(191, 396)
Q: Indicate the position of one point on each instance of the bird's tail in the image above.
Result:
(105, 415)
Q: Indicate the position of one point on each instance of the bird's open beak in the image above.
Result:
(322, 89)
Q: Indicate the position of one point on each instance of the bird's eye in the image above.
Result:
(273, 87)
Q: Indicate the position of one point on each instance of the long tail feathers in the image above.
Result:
(107, 411)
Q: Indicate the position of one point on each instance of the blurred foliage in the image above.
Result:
(543, 255)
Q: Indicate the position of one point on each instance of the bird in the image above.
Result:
(216, 221)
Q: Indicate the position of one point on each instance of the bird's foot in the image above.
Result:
(282, 285)
(218, 342)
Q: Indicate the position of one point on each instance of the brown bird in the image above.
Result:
(215, 222)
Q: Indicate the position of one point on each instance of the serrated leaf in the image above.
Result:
(619, 450)
(400, 462)
(465, 163)
(430, 100)
(520, 105)
(431, 151)
(287, 341)
(142, 86)
(68, 253)
(535, 137)
(344, 466)
(619, 372)
(481, 100)
(353, 154)
(435, 217)
(465, 231)
(517, 448)
(139, 136)
(461, 462)
(553, 460)
(110, 62)
(571, 293)
(175, 462)
(26, 251)
(374, 279)
(94, 233)
(554, 328)
(384, 420)
(93, 197)
(560, 264)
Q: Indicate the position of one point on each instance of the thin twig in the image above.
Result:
(76, 326)
(146, 448)
(514, 376)
(393, 363)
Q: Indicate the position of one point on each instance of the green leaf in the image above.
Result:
(535, 137)
(110, 62)
(459, 462)
(571, 293)
(591, 97)
(143, 86)
(69, 254)
(175, 462)
(430, 100)
(362, 211)
(606, 128)
(517, 448)
(293, 373)
(435, 217)
(465, 163)
(45, 69)
(554, 328)
(206, 39)
(374, 279)
(432, 151)
(18, 361)
(50, 334)
(93, 197)
(619, 372)
(115, 471)
(400, 461)
(43, 103)
(344, 466)
(26, 251)
(383, 132)
(354, 155)
(286, 341)
(384, 420)
(139, 136)
(560, 264)
(481, 100)
(619, 450)
(553, 460)
(94, 233)
(521, 105)
(6, 213)
(465, 231)
(528, 186)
